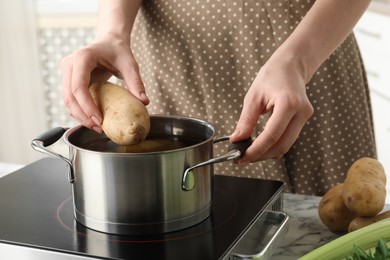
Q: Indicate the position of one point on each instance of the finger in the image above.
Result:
(286, 139)
(247, 121)
(291, 133)
(273, 131)
(70, 103)
(66, 67)
(77, 113)
(100, 74)
(130, 73)
(73, 108)
(83, 65)
(285, 142)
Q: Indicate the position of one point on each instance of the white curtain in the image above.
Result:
(21, 93)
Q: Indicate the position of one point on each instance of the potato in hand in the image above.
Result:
(126, 120)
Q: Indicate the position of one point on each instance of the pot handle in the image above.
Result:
(48, 138)
(235, 150)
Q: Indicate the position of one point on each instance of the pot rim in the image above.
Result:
(211, 126)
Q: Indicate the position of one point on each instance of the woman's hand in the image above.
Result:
(98, 61)
(278, 89)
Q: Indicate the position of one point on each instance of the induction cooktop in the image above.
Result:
(37, 222)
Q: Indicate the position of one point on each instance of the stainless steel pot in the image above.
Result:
(116, 190)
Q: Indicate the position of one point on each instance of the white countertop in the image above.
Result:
(6, 168)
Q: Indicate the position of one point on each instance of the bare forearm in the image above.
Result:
(320, 32)
(117, 17)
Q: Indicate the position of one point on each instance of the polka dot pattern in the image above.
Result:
(198, 58)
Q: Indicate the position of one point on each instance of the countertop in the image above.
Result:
(6, 168)
(305, 230)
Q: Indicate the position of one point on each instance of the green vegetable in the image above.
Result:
(380, 252)
(341, 247)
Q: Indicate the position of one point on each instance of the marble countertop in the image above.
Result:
(305, 230)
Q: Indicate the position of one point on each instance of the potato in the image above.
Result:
(126, 120)
(364, 190)
(371, 167)
(149, 145)
(332, 210)
(361, 222)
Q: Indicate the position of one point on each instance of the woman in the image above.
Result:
(294, 65)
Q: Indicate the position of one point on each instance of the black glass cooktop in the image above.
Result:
(36, 211)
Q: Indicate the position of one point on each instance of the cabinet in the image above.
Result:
(373, 37)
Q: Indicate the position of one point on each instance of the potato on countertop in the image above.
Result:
(332, 210)
(126, 120)
(361, 222)
(365, 187)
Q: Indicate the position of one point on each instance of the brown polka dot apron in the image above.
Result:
(198, 58)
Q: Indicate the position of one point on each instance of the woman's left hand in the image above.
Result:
(279, 89)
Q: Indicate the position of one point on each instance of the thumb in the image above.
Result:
(136, 87)
(130, 74)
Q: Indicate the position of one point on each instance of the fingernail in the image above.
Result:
(143, 96)
(97, 129)
(96, 120)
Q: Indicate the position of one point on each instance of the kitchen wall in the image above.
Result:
(63, 26)
(35, 35)
(373, 35)
(21, 101)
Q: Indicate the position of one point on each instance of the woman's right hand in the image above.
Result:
(98, 61)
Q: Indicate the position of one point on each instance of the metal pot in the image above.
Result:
(121, 191)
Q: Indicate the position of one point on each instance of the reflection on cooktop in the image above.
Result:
(224, 208)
